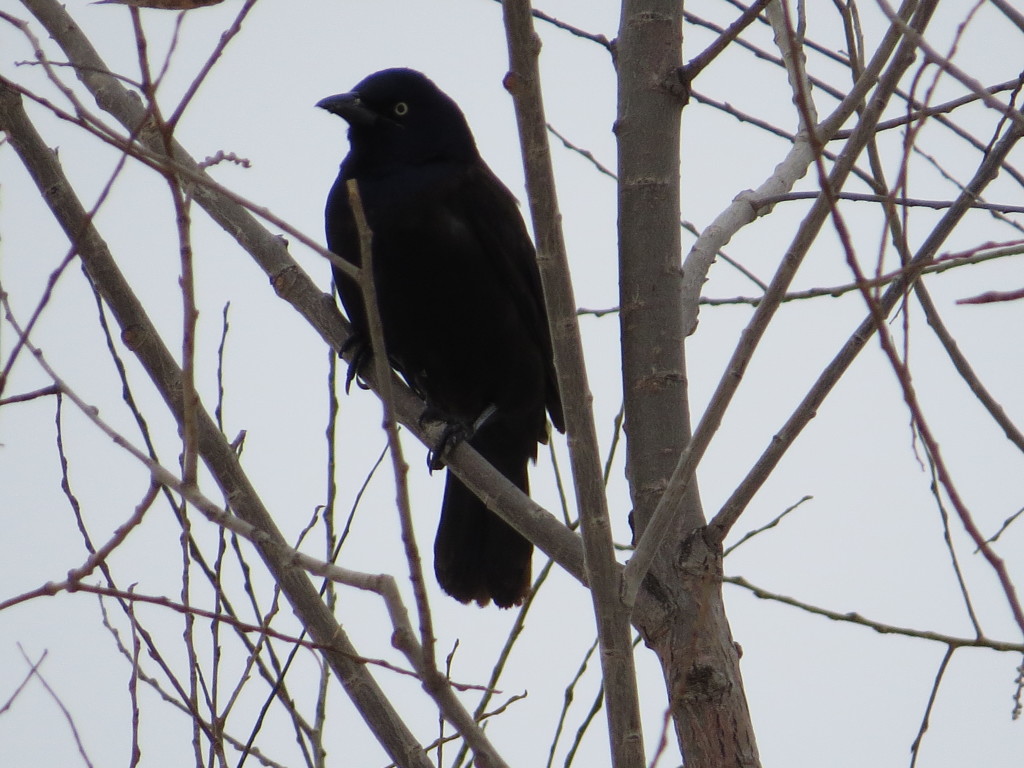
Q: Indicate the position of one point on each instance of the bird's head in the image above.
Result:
(399, 115)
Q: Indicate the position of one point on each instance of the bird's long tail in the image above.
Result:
(477, 555)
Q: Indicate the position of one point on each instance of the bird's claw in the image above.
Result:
(453, 433)
(360, 357)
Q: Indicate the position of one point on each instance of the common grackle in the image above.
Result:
(460, 303)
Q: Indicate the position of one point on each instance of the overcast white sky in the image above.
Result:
(869, 541)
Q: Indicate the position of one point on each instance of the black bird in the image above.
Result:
(460, 302)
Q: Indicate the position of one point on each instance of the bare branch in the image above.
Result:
(523, 82)
(878, 626)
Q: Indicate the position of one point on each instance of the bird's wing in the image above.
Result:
(493, 221)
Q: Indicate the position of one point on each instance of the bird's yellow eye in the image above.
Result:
(401, 109)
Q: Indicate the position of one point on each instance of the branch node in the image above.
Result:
(757, 207)
(133, 336)
(284, 280)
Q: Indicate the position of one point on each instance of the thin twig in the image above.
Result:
(878, 626)
(947, 66)
(34, 667)
(766, 527)
(382, 364)
(695, 65)
(33, 395)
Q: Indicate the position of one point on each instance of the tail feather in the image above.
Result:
(477, 555)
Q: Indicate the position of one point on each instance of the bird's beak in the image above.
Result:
(349, 107)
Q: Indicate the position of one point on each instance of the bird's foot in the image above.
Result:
(361, 354)
(453, 433)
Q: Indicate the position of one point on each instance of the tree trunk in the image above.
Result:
(680, 611)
